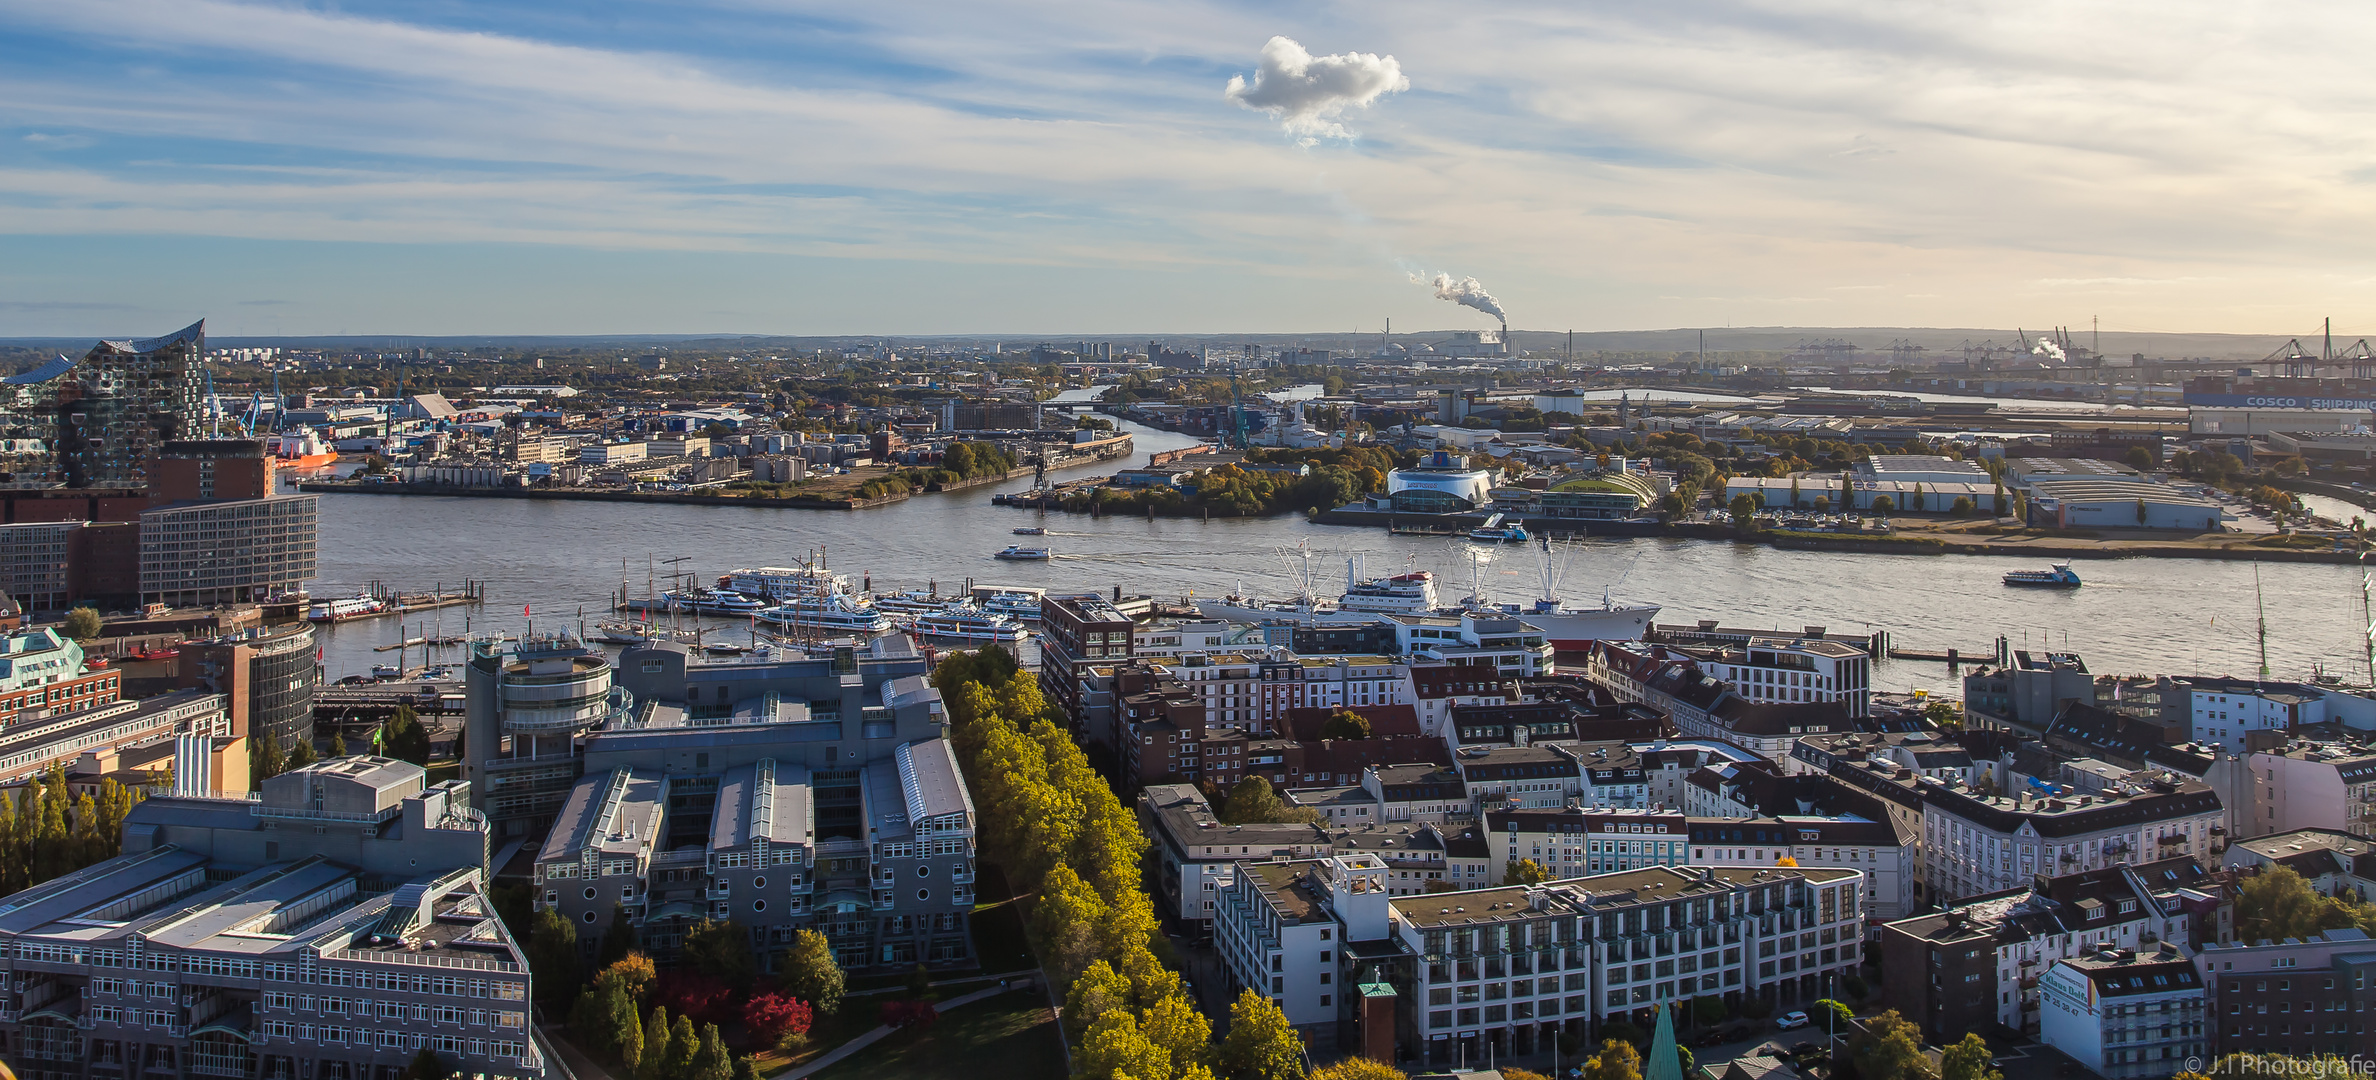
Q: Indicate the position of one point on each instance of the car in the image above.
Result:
(1792, 1019)
(1713, 1038)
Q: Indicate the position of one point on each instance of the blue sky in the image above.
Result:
(778, 166)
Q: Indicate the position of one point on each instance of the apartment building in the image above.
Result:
(1977, 962)
(2233, 712)
(1196, 856)
(1792, 670)
(1573, 841)
(1924, 753)
(1290, 930)
(1077, 630)
(2125, 1014)
(1501, 970)
(330, 928)
(1976, 843)
(2334, 862)
(2299, 785)
(2297, 998)
(1886, 852)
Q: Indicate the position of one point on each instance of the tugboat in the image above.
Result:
(2060, 577)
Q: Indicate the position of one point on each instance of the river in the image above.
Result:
(554, 559)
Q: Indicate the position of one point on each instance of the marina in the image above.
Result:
(2129, 608)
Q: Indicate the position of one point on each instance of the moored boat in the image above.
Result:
(711, 602)
(964, 622)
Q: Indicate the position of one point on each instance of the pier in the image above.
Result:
(399, 602)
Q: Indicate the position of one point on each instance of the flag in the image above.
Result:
(523, 611)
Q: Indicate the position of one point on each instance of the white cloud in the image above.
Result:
(1307, 93)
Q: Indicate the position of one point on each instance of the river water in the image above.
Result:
(553, 558)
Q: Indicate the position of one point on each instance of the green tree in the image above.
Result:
(1883, 504)
(1708, 1010)
(630, 1042)
(403, 737)
(1260, 1044)
(1962, 507)
(1743, 510)
(722, 950)
(810, 972)
(1253, 801)
(1115, 1048)
(653, 1064)
(337, 745)
(266, 759)
(1524, 872)
(2140, 511)
(1099, 990)
(1345, 724)
(684, 1045)
(711, 1061)
(553, 955)
(1794, 492)
(1840, 1013)
(2000, 499)
(1889, 1048)
(2138, 458)
(81, 624)
(1365, 1069)
(1617, 1060)
(1968, 1059)
(1181, 1032)
(2278, 903)
(303, 755)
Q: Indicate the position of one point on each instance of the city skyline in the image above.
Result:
(796, 169)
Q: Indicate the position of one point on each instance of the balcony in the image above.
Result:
(718, 892)
(232, 1060)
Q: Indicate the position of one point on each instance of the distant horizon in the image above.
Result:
(1934, 340)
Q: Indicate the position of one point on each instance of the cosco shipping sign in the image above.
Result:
(2278, 401)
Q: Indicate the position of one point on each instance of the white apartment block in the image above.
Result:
(1977, 843)
(2126, 1014)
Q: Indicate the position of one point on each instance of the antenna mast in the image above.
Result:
(2261, 609)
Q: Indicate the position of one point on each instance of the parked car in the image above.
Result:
(1791, 1019)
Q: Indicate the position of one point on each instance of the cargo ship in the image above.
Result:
(302, 449)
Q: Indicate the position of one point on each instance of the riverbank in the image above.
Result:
(570, 494)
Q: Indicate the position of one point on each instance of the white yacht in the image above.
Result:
(1022, 604)
(964, 622)
(833, 614)
(711, 602)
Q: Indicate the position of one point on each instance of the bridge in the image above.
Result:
(367, 704)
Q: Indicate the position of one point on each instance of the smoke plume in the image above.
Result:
(2048, 349)
(1465, 291)
(1307, 93)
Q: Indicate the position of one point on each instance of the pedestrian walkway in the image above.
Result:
(876, 1035)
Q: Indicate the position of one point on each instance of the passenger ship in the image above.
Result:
(964, 622)
(836, 614)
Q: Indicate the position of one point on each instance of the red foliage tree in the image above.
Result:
(770, 1016)
(703, 998)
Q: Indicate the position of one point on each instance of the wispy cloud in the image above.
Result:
(1604, 165)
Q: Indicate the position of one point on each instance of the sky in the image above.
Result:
(1183, 166)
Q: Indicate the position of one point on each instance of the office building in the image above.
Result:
(2126, 1014)
(1078, 630)
(790, 791)
(94, 423)
(330, 928)
(238, 552)
(267, 677)
(1293, 931)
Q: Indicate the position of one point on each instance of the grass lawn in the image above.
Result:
(1008, 1037)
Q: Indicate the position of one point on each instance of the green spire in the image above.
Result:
(1663, 1063)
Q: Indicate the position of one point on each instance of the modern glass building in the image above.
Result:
(93, 423)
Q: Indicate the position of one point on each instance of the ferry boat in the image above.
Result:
(711, 602)
(784, 582)
(1413, 593)
(1031, 530)
(964, 622)
(301, 449)
(835, 614)
(911, 602)
(1019, 604)
(2061, 576)
(353, 607)
(1020, 553)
